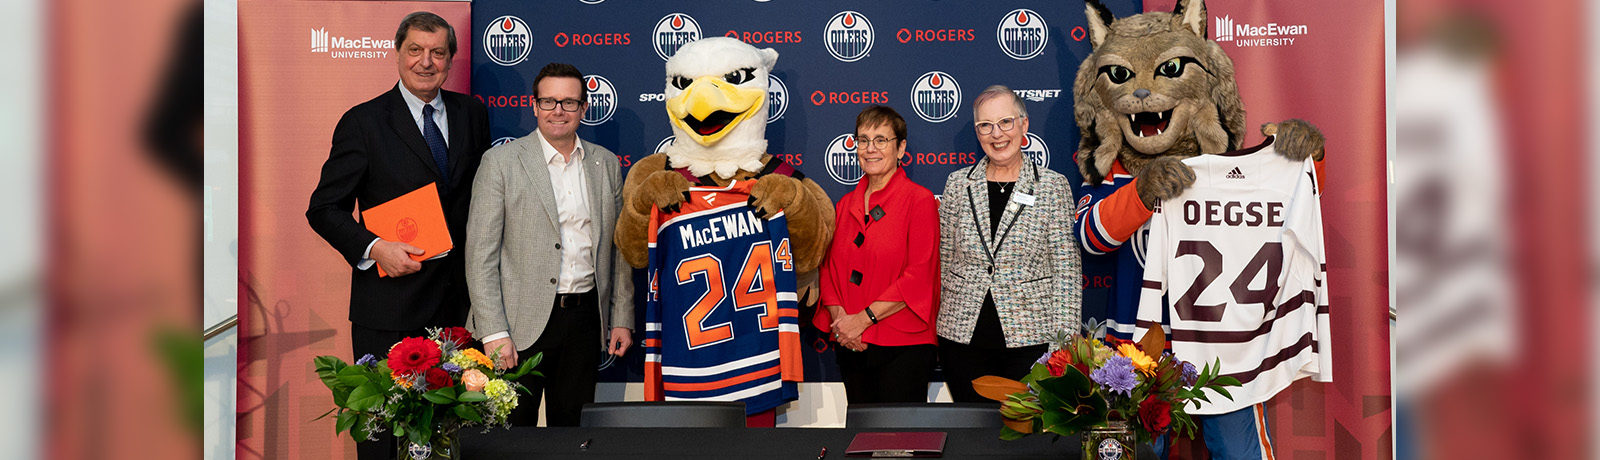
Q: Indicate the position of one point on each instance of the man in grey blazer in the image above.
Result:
(542, 271)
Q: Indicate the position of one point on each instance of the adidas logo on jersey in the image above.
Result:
(1235, 174)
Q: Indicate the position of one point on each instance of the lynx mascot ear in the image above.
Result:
(1153, 92)
(717, 101)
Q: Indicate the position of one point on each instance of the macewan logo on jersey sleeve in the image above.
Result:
(848, 36)
(936, 97)
(1247, 35)
(1022, 34)
(507, 40)
(672, 32)
(602, 100)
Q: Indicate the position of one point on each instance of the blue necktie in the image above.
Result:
(430, 133)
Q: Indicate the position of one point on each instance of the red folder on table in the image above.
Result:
(901, 444)
(415, 218)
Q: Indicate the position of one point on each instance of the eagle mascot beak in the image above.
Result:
(712, 106)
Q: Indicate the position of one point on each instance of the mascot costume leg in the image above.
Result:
(1154, 91)
(716, 91)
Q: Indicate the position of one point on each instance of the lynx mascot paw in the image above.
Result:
(1155, 87)
(716, 91)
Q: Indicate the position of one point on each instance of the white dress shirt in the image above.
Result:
(439, 119)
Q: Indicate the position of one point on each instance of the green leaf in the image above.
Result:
(365, 398)
(527, 367)
(444, 395)
(472, 397)
(325, 414)
(353, 376)
(1009, 434)
(1223, 391)
(1227, 381)
(347, 419)
(468, 413)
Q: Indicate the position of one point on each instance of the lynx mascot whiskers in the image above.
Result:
(1154, 91)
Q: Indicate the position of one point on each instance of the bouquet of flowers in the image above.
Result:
(1084, 382)
(425, 387)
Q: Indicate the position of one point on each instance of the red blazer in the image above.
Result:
(897, 260)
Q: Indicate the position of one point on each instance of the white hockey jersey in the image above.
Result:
(1239, 261)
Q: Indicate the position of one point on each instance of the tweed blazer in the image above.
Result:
(1030, 263)
(513, 235)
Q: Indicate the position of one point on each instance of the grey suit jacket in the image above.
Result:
(512, 259)
(1031, 263)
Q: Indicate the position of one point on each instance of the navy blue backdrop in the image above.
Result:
(924, 58)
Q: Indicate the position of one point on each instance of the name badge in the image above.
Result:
(1022, 198)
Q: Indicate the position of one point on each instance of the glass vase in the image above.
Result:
(445, 444)
(1112, 441)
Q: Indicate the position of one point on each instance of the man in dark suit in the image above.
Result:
(413, 135)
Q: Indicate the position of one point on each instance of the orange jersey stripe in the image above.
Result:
(724, 383)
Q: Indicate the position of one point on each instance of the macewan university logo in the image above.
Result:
(674, 31)
(507, 40)
(777, 98)
(848, 36)
(1246, 35)
(1036, 150)
(841, 160)
(602, 100)
(1022, 34)
(936, 97)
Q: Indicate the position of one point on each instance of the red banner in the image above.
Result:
(301, 65)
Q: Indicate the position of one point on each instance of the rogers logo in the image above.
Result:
(756, 38)
(507, 40)
(848, 36)
(948, 35)
(602, 100)
(562, 39)
(672, 32)
(841, 160)
(820, 97)
(1022, 34)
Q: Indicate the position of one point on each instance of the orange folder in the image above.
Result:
(415, 218)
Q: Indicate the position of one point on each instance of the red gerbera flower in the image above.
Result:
(412, 355)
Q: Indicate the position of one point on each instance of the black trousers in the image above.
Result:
(962, 363)
(883, 374)
(570, 365)
(376, 342)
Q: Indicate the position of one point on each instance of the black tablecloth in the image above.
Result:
(741, 443)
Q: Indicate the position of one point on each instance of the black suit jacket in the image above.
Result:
(378, 154)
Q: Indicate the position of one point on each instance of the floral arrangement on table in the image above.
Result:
(1087, 383)
(424, 391)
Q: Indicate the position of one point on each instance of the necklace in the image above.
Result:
(1005, 187)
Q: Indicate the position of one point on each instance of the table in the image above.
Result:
(740, 443)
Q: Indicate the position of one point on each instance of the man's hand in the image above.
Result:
(621, 339)
(503, 352)
(395, 257)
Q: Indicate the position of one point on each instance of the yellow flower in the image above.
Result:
(1141, 361)
(478, 357)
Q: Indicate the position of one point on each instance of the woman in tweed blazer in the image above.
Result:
(1010, 271)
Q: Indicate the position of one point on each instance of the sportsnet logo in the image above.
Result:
(1235, 174)
(507, 40)
(1246, 35)
(1036, 150)
(841, 160)
(848, 36)
(349, 48)
(1022, 34)
(602, 100)
(935, 96)
(777, 98)
(674, 31)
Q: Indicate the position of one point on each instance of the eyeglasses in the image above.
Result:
(549, 103)
(880, 143)
(1005, 124)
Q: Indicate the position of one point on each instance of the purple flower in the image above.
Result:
(1044, 358)
(1116, 375)
(450, 367)
(365, 360)
(1190, 375)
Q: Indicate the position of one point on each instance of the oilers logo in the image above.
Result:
(1036, 150)
(848, 36)
(1110, 449)
(662, 146)
(1022, 34)
(936, 97)
(502, 141)
(841, 160)
(602, 100)
(507, 40)
(674, 31)
(777, 98)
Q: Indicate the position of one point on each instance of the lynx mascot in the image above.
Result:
(716, 91)
(1153, 92)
